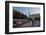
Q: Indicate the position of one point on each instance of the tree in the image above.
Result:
(19, 15)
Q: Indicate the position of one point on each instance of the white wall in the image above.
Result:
(2, 17)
